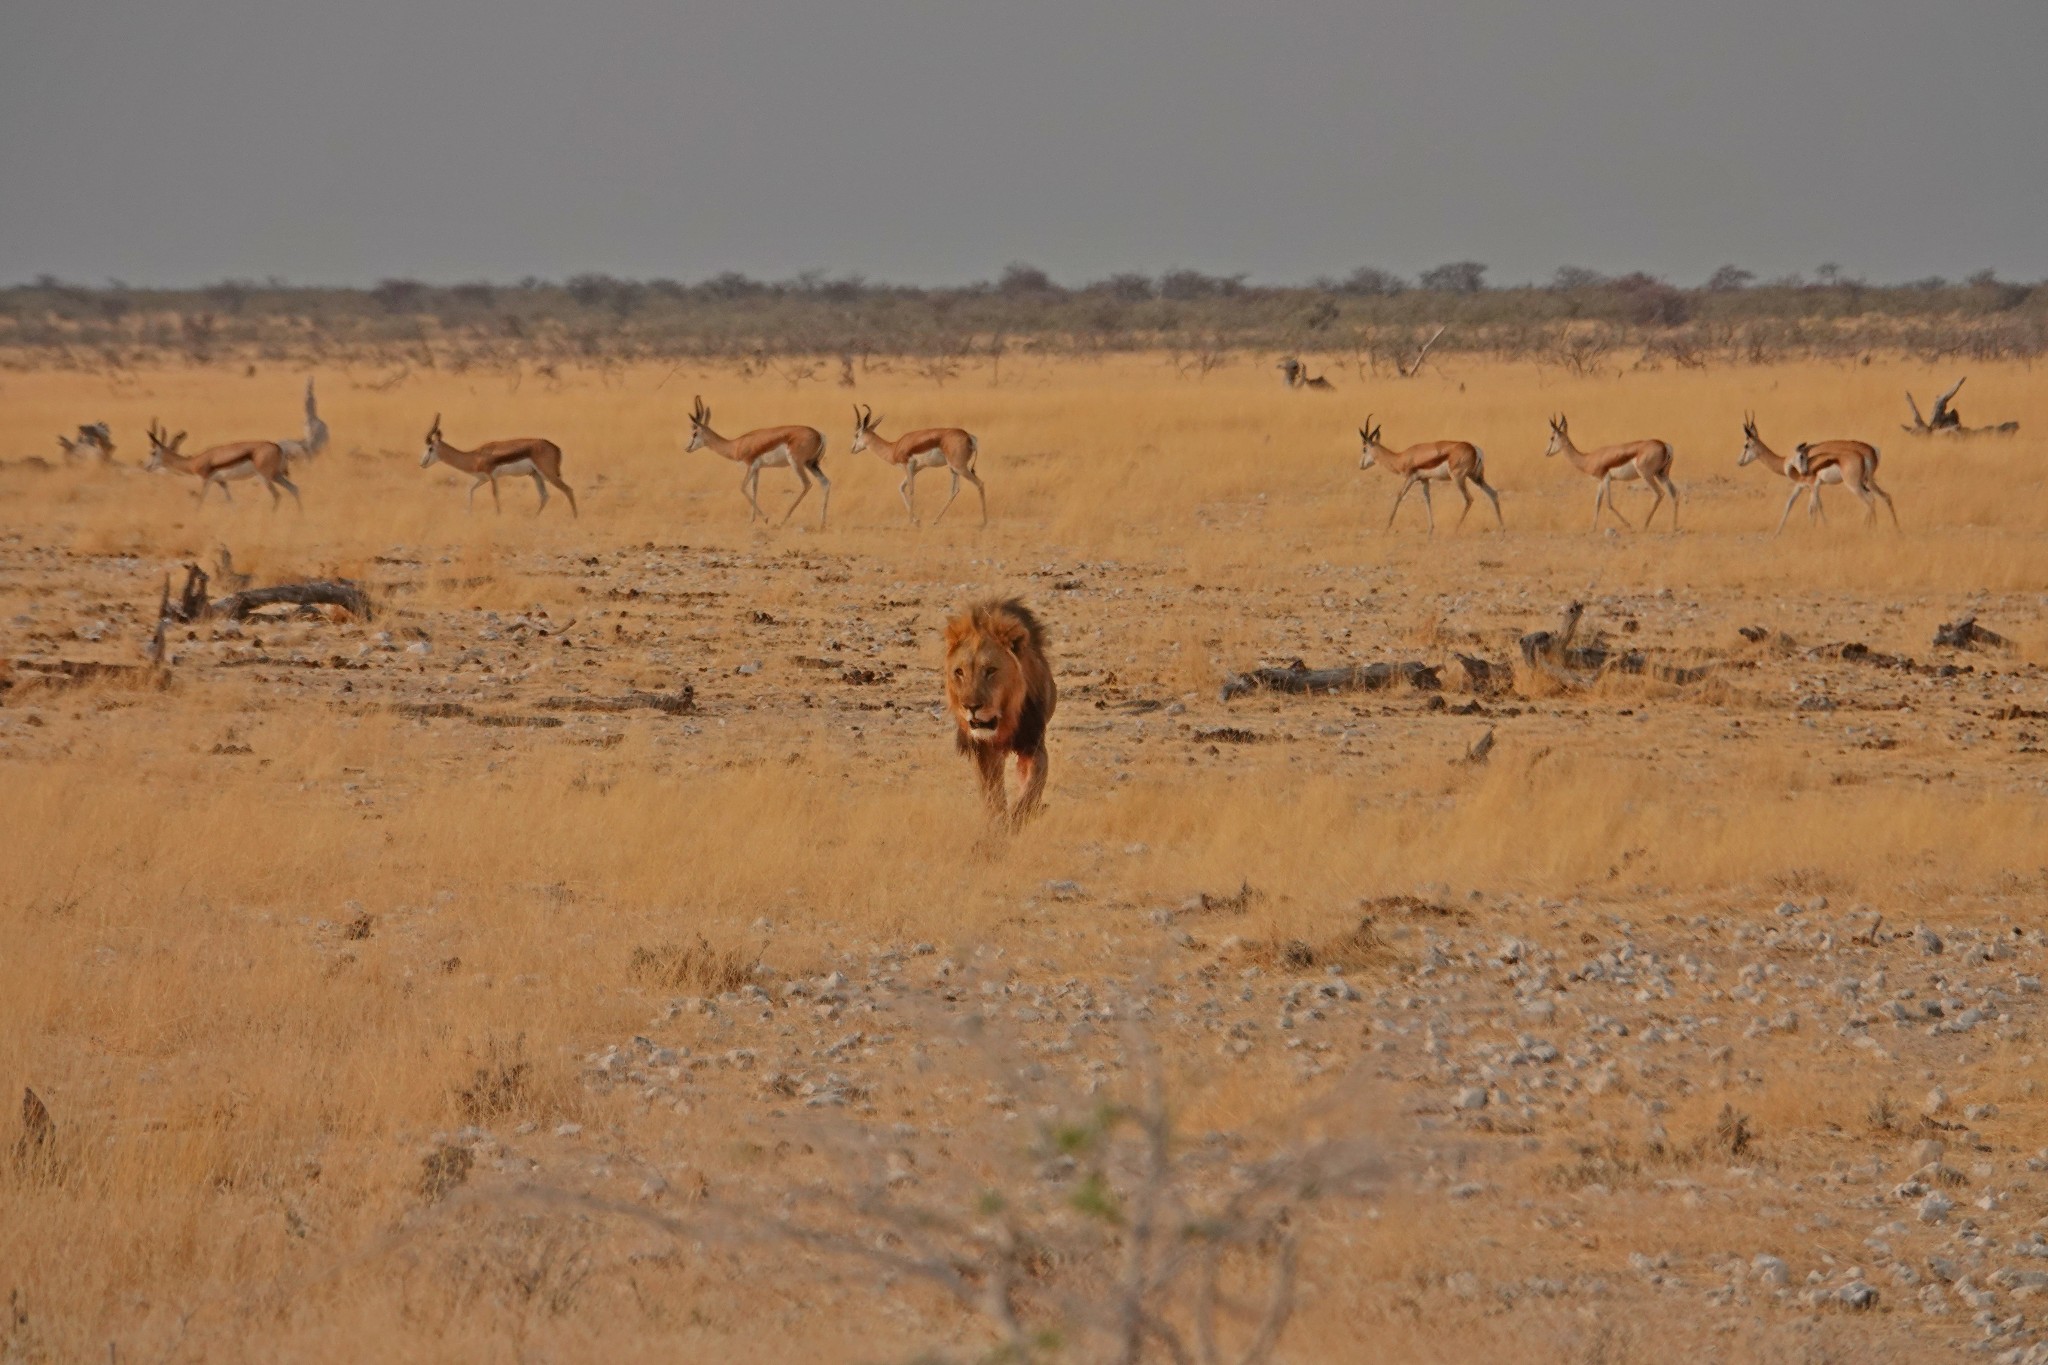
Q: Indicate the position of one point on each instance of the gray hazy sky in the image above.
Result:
(180, 141)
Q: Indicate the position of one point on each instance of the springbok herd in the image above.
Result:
(801, 449)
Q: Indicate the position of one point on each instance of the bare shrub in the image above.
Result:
(1104, 1234)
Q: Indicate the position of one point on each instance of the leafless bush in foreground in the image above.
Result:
(1104, 1234)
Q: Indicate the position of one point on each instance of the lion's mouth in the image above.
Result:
(982, 727)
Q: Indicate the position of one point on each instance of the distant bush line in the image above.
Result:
(1371, 320)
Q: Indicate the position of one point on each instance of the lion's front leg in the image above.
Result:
(1031, 771)
(988, 759)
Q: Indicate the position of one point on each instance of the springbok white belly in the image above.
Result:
(240, 469)
(776, 458)
(516, 467)
(1623, 472)
(928, 459)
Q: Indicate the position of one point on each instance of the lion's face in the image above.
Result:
(985, 683)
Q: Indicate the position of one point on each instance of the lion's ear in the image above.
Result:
(957, 629)
(1014, 634)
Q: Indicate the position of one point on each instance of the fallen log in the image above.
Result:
(1299, 678)
(319, 592)
(680, 702)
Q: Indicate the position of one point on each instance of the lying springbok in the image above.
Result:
(1649, 461)
(539, 459)
(1852, 464)
(219, 464)
(95, 441)
(926, 449)
(1459, 462)
(315, 440)
(801, 449)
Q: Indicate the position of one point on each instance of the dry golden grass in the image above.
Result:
(266, 935)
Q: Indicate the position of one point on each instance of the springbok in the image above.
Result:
(95, 441)
(1459, 462)
(1649, 461)
(801, 449)
(539, 459)
(219, 464)
(926, 449)
(1850, 463)
(315, 440)
(1296, 376)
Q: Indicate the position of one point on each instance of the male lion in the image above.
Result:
(999, 688)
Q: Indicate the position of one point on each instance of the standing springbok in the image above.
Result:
(315, 440)
(801, 449)
(1459, 462)
(926, 449)
(538, 459)
(1850, 463)
(219, 464)
(1649, 461)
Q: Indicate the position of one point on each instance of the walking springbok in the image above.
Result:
(219, 464)
(1459, 462)
(1296, 376)
(538, 459)
(1649, 461)
(316, 432)
(95, 441)
(801, 449)
(926, 449)
(1850, 463)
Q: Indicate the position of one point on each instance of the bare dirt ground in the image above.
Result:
(600, 949)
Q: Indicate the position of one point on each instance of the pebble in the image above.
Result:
(1771, 1271)
(1935, 1207)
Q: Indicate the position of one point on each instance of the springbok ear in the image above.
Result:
(177, 440)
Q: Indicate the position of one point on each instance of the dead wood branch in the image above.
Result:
(680, 702)
(1299, 678)
(1946, 421)
(1483, 676)
(1967, 634)
(1554, 654)
(1409, 370)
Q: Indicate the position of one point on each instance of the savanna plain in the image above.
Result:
(601, 952)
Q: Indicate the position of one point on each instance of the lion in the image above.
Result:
(1000, 690)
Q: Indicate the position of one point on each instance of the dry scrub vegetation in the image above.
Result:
(388, 997)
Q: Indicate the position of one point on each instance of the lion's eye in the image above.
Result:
(989, 672)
